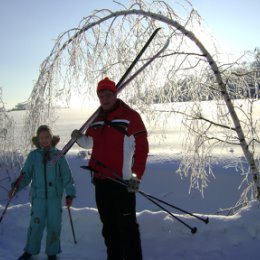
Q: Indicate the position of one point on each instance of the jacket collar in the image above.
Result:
(43, 150)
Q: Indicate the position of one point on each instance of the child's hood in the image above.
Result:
(55, 140)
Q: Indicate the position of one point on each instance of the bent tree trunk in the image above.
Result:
(221, 85)
(55, 55)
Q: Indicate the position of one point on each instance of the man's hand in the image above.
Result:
(69, 200)
(76, 134)
(133, 184)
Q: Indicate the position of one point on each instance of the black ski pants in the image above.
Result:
(117, 209)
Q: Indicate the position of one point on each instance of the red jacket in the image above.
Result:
(119, 143)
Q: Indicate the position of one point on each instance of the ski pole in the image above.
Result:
(122, 182)
(193, 229)
(72, 227)
(16, 186)
(205, 220)
(120, 86)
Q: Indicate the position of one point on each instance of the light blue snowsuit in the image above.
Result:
(47, 185)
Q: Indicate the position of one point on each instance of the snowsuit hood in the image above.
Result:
(55, 141)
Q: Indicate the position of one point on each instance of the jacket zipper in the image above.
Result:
(45, 175)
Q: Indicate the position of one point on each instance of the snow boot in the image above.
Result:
(25, 256)
(52, 257)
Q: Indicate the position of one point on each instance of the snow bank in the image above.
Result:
(234, 237)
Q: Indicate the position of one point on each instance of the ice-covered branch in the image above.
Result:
(189, 71)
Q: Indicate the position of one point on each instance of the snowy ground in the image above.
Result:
(223, 238)
(235, 237)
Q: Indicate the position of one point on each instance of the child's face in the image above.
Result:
(45, 139)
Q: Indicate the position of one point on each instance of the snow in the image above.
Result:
(163, 237)
(235, 237)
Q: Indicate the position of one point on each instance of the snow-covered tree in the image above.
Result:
(191, 69)
(10, 162)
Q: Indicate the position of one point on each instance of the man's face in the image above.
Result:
(107, 99)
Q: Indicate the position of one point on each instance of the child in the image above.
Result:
(47, 185)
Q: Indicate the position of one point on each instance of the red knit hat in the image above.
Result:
(106, 84)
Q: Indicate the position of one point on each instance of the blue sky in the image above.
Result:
(29, 28)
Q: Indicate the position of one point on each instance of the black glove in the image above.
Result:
(76, 134)
(133, 184)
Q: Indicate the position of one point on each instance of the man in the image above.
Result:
(118, 139)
